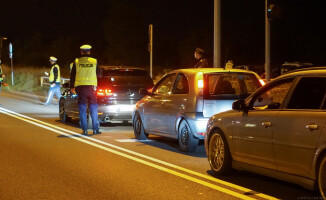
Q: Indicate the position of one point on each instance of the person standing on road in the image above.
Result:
(201, 58)
(83, 80)
(1, 76)
(229, 65)
(54, 81)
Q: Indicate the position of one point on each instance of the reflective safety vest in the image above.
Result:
(228, 65)
(86, 71)
(1, 79)
(51, 78)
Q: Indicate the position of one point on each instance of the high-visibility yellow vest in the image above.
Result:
(51, 78)
(228, 65)
(86, 71)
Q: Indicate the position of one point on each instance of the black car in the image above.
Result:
(117, 93)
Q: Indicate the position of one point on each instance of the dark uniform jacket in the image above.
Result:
(202, 63)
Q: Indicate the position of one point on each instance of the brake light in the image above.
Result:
(104, 92)
(200, 84)
(262, 82)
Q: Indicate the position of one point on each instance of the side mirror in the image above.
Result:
(239, 105)
(143, 91)
(66, 85)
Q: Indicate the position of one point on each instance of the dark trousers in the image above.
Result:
(86, 94)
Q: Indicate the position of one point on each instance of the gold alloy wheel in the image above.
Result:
(216, 152)
(322, 178)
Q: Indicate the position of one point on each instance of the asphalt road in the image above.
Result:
(43, 158)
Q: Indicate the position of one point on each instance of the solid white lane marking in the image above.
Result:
(133, 140)
(5, 111)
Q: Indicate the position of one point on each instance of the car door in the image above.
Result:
(154, 119)
(71, 104)
(299, 126)
(175, 102)
(253, 131)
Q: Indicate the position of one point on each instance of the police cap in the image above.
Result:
(85, 47)
(200, 51)
(54, 59)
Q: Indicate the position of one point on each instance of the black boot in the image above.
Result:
(84, 132)
(96, 132)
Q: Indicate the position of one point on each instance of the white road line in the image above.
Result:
(133, 140)
(82, 139)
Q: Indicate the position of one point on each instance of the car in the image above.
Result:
(181, 103)
(278, 131)
(117, 93)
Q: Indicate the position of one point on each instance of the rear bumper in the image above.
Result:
(115, 113)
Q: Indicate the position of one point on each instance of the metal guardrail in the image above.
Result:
(45, 80)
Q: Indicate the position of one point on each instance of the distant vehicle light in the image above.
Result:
(262, 82)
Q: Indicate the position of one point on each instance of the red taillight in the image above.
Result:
(104, 92)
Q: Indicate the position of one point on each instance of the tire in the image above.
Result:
(139, 129)
(186, 139)
(89, 121)
(219, 156)
(322, 177)
(62, 112)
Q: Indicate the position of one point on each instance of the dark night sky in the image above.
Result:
(117, 29)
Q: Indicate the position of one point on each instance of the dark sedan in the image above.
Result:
(117, 93)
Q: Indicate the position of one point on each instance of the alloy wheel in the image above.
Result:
(322, 178)
(184, 135)
(216, 152)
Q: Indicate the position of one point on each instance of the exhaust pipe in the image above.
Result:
(107, 119)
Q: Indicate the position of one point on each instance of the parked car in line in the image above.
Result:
(181, 103)
(278, 131)
(117, 94)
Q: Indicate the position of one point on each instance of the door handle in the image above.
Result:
(312, 127)
(266, 124)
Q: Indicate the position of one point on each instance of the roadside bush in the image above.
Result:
(25, 78)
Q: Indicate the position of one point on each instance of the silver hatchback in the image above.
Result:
(278, 131)
(181, 103)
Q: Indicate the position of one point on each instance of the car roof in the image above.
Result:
(312, 71)
(211, 70)
(120, 67)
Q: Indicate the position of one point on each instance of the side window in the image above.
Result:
(164, 85)
(273, 97)
(308, 94)
(181, 85)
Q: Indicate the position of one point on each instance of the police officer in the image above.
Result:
(1, 76)
(83, 80)
(229, 64)
(200, 57)
(54, 80)
(70, 66)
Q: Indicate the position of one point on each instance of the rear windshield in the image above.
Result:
(124, 72)
(125, 77)
(230, 86)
